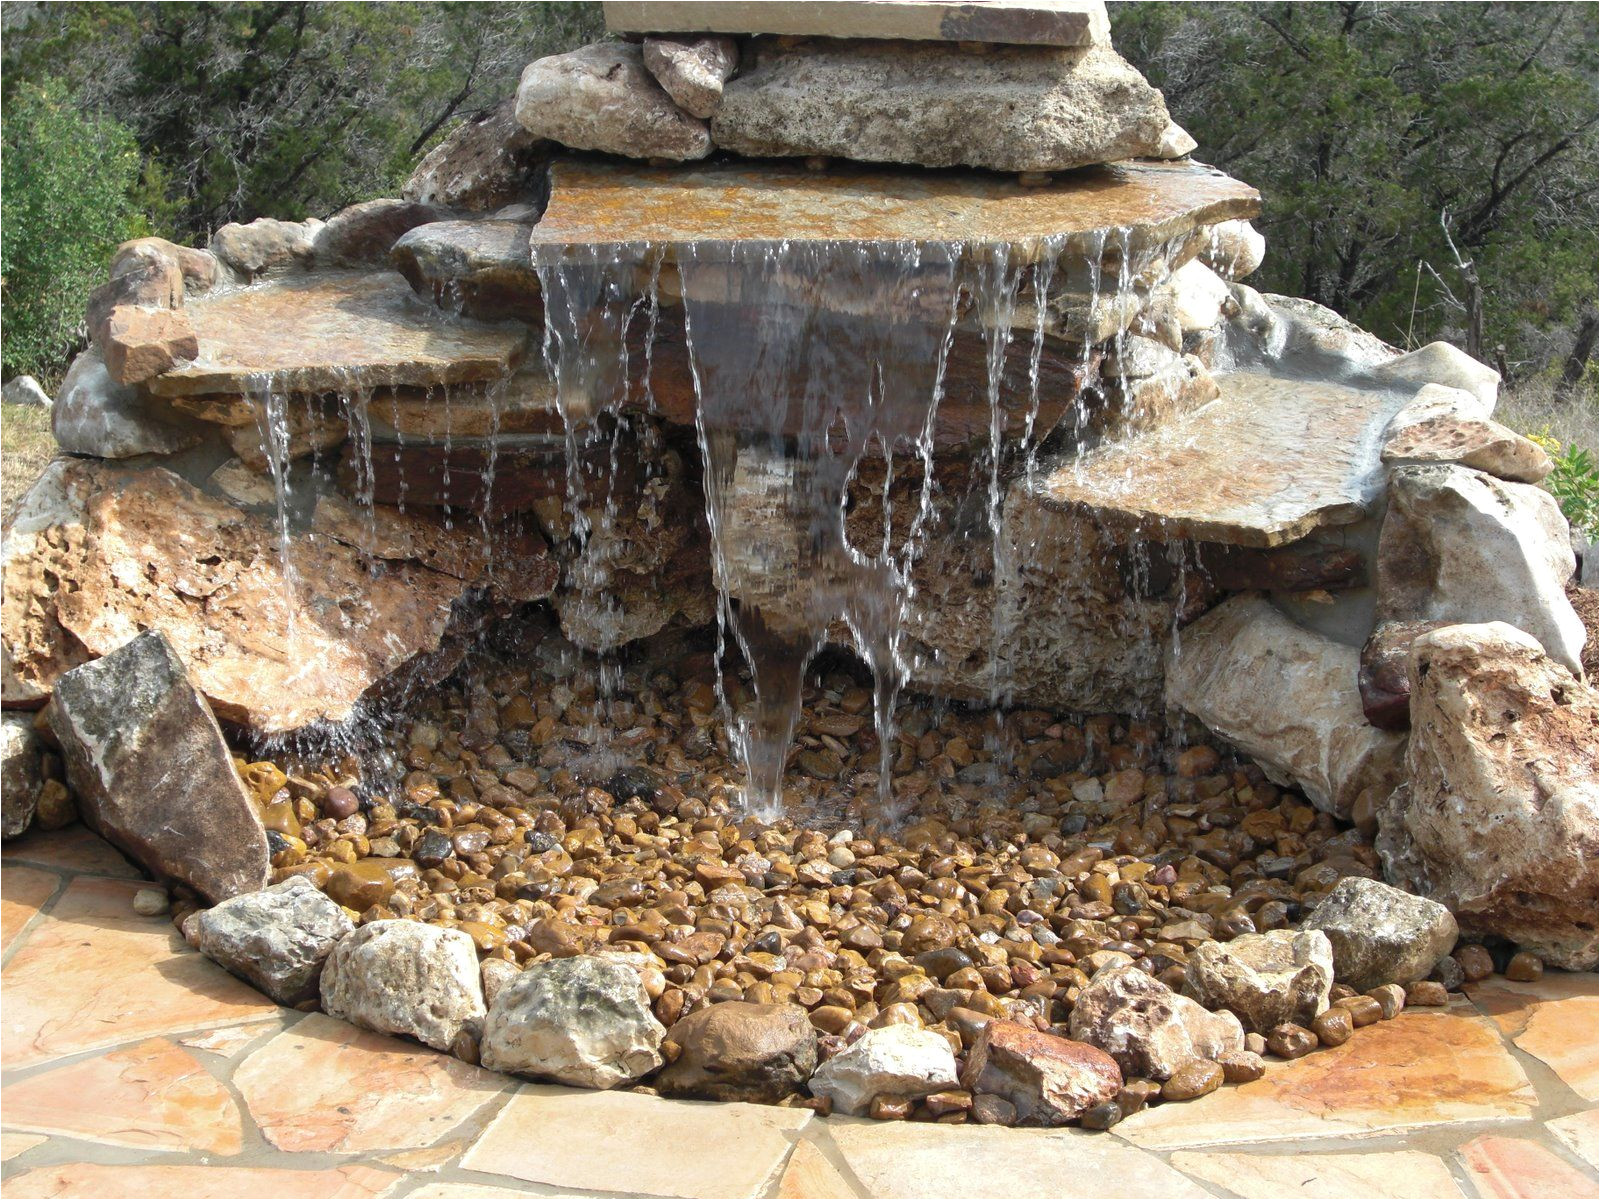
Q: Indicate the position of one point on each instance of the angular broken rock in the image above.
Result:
(405, 977)
(1287, 697)
(900, 1061)
(1048, 1080)
(95, 415)
(600, 97)
(1461, 546)
(583, 1021)
(1474, 442)
(488, 161)
(740, 1051)
(146, 760)
(1264, 979)
(1150, 1030)
(1381, 934)
(141, 342)
(277, 938)
(20, 774)
(692, 70)
(1015, 108)
(1499, 822)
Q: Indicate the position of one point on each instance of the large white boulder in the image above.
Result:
(1441, 363)
(897, 1060)
(1499, 822)
(408, 978)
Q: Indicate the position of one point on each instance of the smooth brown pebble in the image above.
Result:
(1524, 967)
(1242, 1066)
(1475, 962)
(1197, 1077)
(1391, 998)
(1334, 1027)
(1427, 993)
(1363, 1010)
(1291, 1041)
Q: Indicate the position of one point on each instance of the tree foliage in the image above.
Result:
(1428, 170)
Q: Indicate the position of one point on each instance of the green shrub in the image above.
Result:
(1575, 483)
(66, 188)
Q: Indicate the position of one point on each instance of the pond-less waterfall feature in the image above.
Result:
(791, 568)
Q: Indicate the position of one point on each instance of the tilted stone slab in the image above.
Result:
(1266, 463)
(1030, 23)
(335, 331)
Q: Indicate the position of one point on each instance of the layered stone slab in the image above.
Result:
(23, 892)
(1324, 1176)
(1028, 23)
(1266, 463)
(96, 1181)
(335, 331)
(1514, 1168)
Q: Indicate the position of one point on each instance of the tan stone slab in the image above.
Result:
(23, 892)
(1579, 1133)
(1026, 23)
(75, 848)
(1512, 1168)
(809, 1175)
(13, 1144)
(615, 1142)
(1553, 1019)
(326, 1086)
(94, 1181)
(1419, 1069)
(229, 1041)
(430, 1158)
(469, 1191)
(1401, 1174)
(335, 331)
(151, 1096)
(597, 205)
(893, 1159)
(93, 973)
(1265, 463)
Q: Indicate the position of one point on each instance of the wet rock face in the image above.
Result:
(1499, 822)
(899, 1061)
(276, 939)
(123, 722)
(407, 978)
(1264, 979)
(1381, 934)
(1016, 108)
(20, 776)
(1149, 1029)
(741, 1051)
(601, 97)
(583, 1021)
(1048, 1080)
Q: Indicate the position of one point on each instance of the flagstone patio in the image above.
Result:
(134, 1067)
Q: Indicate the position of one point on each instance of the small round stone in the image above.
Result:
(1291, 1041)
(1101, 1116)
(1427, 993)
(1475, 962)
(1242, 1066)
(1334, 1027)
(1197, 1077)
(1363, 1010)
(1391, 998)
(340, 802)
(150, 902)
(1524, 967)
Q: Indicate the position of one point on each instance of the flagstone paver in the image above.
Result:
(135, 1067)
(93, 973)
(623, 1142)
(1324, 1176)
(1515, 1168)
(1422, 1068)
(154, 1094)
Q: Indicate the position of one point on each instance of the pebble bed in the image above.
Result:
(1033, 852)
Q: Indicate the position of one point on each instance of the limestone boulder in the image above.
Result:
(1474, 442)
(486, 162)
(1234, 249)
(1315, 340)
(26, 392)
(404, 977)
(901, 1061)
(583, 1021)
(1459, 545)
(484, 266)
(363, 234)
(1048, 1080)
(1176, 142)
(21, 777)
(1439, 363)
(1499, 820)
(692, 70)
(601, 97)
(1150, 1030)
(1015, 108)
(1264, 979)
(1381, 934)
(276, 939)
(266, 247)
(739, 1051)
(1287, 697)
(141, 342)
(95, 415)
(198, 269)
(1198, 296)
(145, 758)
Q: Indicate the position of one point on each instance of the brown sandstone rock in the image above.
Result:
(739, 1051)
(1048, 1080)
(140, 342)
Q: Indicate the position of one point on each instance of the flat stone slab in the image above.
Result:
(595, 205)
(1030, 23)
(1265, 463)
(335, 331)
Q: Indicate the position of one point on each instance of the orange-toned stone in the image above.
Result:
(23, 891)
(94, 1181)
(1512, 1168)
(1400, 1173)
(75, 848)
(93, 973)
(810, 1176)
(154, 1095)
(1554, 1019)
(13, 1144)
(1422, 1068)
(469, 1191)
(326, 1086)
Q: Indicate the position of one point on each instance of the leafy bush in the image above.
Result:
(1575, 483)
(66, 185)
